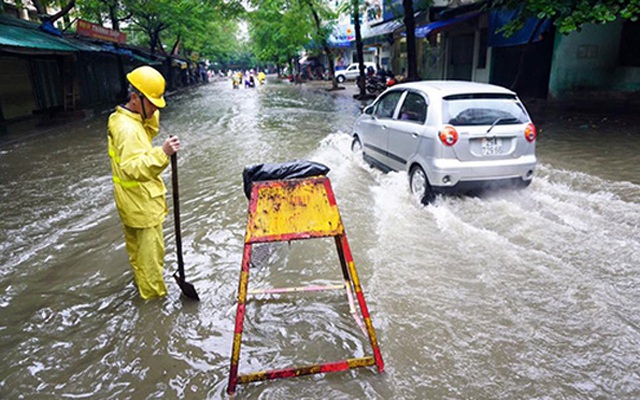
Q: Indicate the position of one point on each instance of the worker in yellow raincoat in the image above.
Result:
(137, 183)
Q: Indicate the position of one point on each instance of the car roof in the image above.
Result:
(447, 88)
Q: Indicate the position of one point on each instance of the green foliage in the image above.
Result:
(99, 11)
(570, 15)
(278, 29)
(208, 27)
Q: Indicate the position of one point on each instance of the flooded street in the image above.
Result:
(515, 295)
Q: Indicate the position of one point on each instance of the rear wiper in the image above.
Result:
(501, 119)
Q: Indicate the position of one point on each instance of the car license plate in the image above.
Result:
(491, 146)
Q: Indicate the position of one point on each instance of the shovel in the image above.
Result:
(187, 288)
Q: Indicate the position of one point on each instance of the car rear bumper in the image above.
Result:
(456, 176)
(465, 187)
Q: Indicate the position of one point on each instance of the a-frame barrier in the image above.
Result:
(295, 209)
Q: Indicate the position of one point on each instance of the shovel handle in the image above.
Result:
(176, 212)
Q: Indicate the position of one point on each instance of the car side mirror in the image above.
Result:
(368, 110)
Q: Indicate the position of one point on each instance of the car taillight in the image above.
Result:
(530, 133)
(448, 135)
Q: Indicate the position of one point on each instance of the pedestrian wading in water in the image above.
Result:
(137, 183)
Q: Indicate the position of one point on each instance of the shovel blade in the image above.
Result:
(187, 288)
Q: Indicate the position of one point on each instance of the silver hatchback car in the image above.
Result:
(449, 136)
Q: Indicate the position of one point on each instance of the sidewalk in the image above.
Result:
(585, 113)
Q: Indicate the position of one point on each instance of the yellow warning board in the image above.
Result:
(292, 209)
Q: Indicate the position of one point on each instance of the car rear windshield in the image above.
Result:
(483, 109)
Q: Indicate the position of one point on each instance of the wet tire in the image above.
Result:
(356, 146)
(419, 185)
(340, 78)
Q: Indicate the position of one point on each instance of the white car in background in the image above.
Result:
(353, 71)
(449, 136)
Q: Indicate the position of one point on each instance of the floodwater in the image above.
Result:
(514, 295)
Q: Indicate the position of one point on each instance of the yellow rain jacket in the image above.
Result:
(137, 166)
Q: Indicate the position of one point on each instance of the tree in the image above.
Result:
(569, 15)
(359, 48)
(208, 27)
(101, 10)
(277, 31)
(322, 32)
(410, 27)
(41, 9)
(154, 16)
(354, 7)
(281, 28)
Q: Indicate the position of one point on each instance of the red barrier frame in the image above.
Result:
(350, 275)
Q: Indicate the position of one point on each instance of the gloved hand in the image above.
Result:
(171, 145)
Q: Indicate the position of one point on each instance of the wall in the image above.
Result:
(585, 60)
(626, 79)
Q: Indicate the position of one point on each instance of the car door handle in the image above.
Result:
(384, 126)
(414, 135)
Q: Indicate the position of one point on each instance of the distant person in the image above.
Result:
(370, 71)
(137, 183)
(236, 81)
(249, 82)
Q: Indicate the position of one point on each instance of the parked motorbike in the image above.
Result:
(375, 84)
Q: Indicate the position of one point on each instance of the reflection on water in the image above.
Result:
(513, 295)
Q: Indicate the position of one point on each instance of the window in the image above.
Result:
(387, 105)
(465, 110)
(414, 108)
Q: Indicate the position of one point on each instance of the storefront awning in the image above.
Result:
(146, 60)
(130, 53)
(339, 42)
(23, 37)
(437, 26)
(530, 32)
(26, 37)
(382, 29)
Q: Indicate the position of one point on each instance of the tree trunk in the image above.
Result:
(332, 75)
(175, 48)
(40, 8)
(325, 45)
(154, 38)
(115, 23)
(410, 26)
(359, 48)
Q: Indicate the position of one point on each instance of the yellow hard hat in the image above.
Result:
(150, 83)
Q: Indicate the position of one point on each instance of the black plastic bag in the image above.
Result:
(287, 170)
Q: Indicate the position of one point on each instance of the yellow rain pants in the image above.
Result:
(146, 255)
(140, 194)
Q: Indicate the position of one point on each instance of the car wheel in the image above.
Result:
(525, 184)
(356, 146)
(420, 186)
(340, 78)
